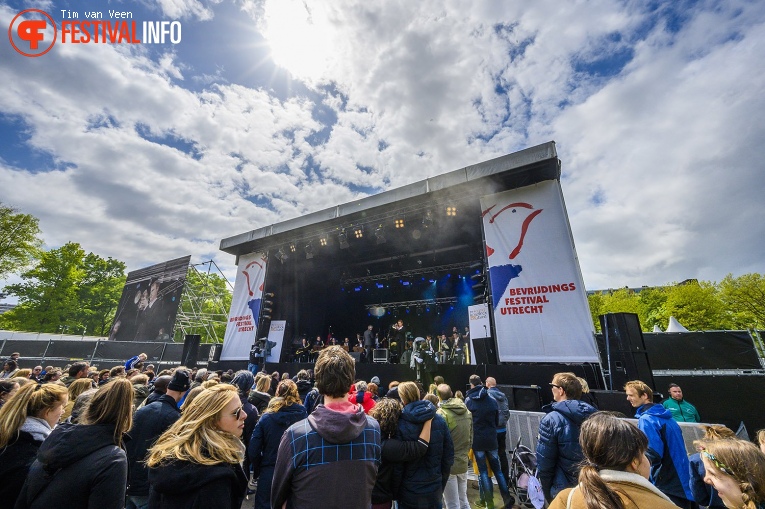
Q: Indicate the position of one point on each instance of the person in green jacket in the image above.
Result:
(460, 423)
(681, 410)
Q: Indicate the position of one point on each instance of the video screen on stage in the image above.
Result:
(149, 302)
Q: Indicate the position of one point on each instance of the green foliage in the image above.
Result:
(697, 306)
(67, 291)
(204, 306)
(19, 241)
(745, 297)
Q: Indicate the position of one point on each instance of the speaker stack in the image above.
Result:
(624, 353)
(527, 398)
(190, 350)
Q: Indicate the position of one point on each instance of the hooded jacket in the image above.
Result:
(670, 470)
(558, 449)
(149, 422)
(363, 398)
(459, 420)
(15, 460)
(504, 410)
(78, 465)
(323, 452)
(635, 491)
(259, 400)
(303, 387)
(420, 483)
(264, 443)
(485, 413)
(186, 485)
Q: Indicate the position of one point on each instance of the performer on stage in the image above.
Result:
(369, 342)
(444, 349)
(459, 350)
(318, 346)
(346, 345)
(398, 335)
(303, 354)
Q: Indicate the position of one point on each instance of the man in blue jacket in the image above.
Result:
(504, 413)
(558, 449)
(670, 470)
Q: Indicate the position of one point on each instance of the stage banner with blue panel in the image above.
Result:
(275, 340)
(245, 307)
(538, 298)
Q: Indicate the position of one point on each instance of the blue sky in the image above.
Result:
(270, 109)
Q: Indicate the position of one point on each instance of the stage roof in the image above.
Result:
(519, 169)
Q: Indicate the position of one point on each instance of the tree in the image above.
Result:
(204, 306)
(66, 291)
(745, 297)
(19, 241)
(697, 306)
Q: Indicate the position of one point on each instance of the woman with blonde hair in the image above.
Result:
(615, 471)
(197, 461)
(259, 396)
(703, 493)
(26, 420)
(283, 411)
(83, 465)
(736, 469)
(78, 387)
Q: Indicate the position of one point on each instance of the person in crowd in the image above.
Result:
(75, 389)
(432, 398)
(10, 367)
(80, 405)
(337, 445)
(705, 494)
(140, 389)
(380, 387)
(149, 422)
(422, 481)
(274, 383)
(387, 414)
(189, 397)
(485, 413)
(197, 461)
(135, 362)
(158, 389)
(243, 381)
(103, 376)
(51, 375)
(681, 410)
(76, 371)
(670, 470)
(369, 343)
(199, 377)
(736, 469)
(8, 389)
(558, 450)
(37, 373)
(360, 395)
(761, 440)
(23, 373)
(373, 389)
(459, 420)
(83, 465)
(312, 400)
(26, 420)
(615, 472)
(283, 411)
(587, 396)
(259, 395)
(504, 414)
(303, 384)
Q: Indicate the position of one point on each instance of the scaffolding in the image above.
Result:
(203, 307)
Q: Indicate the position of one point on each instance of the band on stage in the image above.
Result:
(401, 347)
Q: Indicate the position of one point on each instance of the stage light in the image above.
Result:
(281, 255)
(427, 220)
(358, 232)
(451, 211)
(399, 223)
(438, 309)
(380, 234)
(419, 310)
(342, 240)
(323, 240)
(293, 248)
(309, 251)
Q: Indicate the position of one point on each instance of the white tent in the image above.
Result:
(656, 328)
(674, 326)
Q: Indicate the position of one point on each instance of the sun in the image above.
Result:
(300, 37)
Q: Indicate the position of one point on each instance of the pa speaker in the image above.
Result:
(624, 352)
(484, 351)
(614, 401)
(190, 350)
(527, 398)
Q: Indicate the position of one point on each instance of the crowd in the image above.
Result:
(128, 437)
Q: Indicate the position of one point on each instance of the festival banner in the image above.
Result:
(539, 302)
(245, 307)
(275, 340)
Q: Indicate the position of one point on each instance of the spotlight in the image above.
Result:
(380, 234)
(419, 310)
(281, 255)
(293, 248)
(438, 309)
(358, 232)
(323, 240)
(399, 223)
(309, 251)
(451, 211)
(342, 239)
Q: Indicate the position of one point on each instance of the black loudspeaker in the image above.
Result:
(190, 350)
(614, 401)
(484, 351)
(523, 397)
(624, 353)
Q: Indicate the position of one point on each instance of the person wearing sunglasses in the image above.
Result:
(736, 469)
(197, 461)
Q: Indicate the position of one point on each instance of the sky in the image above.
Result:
(268, 109)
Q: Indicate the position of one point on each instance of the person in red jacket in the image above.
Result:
(359, 395)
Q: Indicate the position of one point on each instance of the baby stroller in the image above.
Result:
(523, 483)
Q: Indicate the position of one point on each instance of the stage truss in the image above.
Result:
(203, 308)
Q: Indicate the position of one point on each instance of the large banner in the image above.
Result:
(149, 302)
(245, 307)
(539, 302)
(276, 339)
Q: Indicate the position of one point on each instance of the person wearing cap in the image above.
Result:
(149, 423)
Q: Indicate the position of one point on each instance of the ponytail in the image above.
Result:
(29, 401)
(597, 494)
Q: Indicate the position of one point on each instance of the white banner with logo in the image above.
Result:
(480, 326)
(245, 307)
(276, 340)
(539, 302)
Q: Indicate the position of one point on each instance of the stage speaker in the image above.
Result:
(356, 356)
(614, 401)
(484, 350)
(380, 355)
(624, 353)
(215, 351)
(190, 350)
(527, 398)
